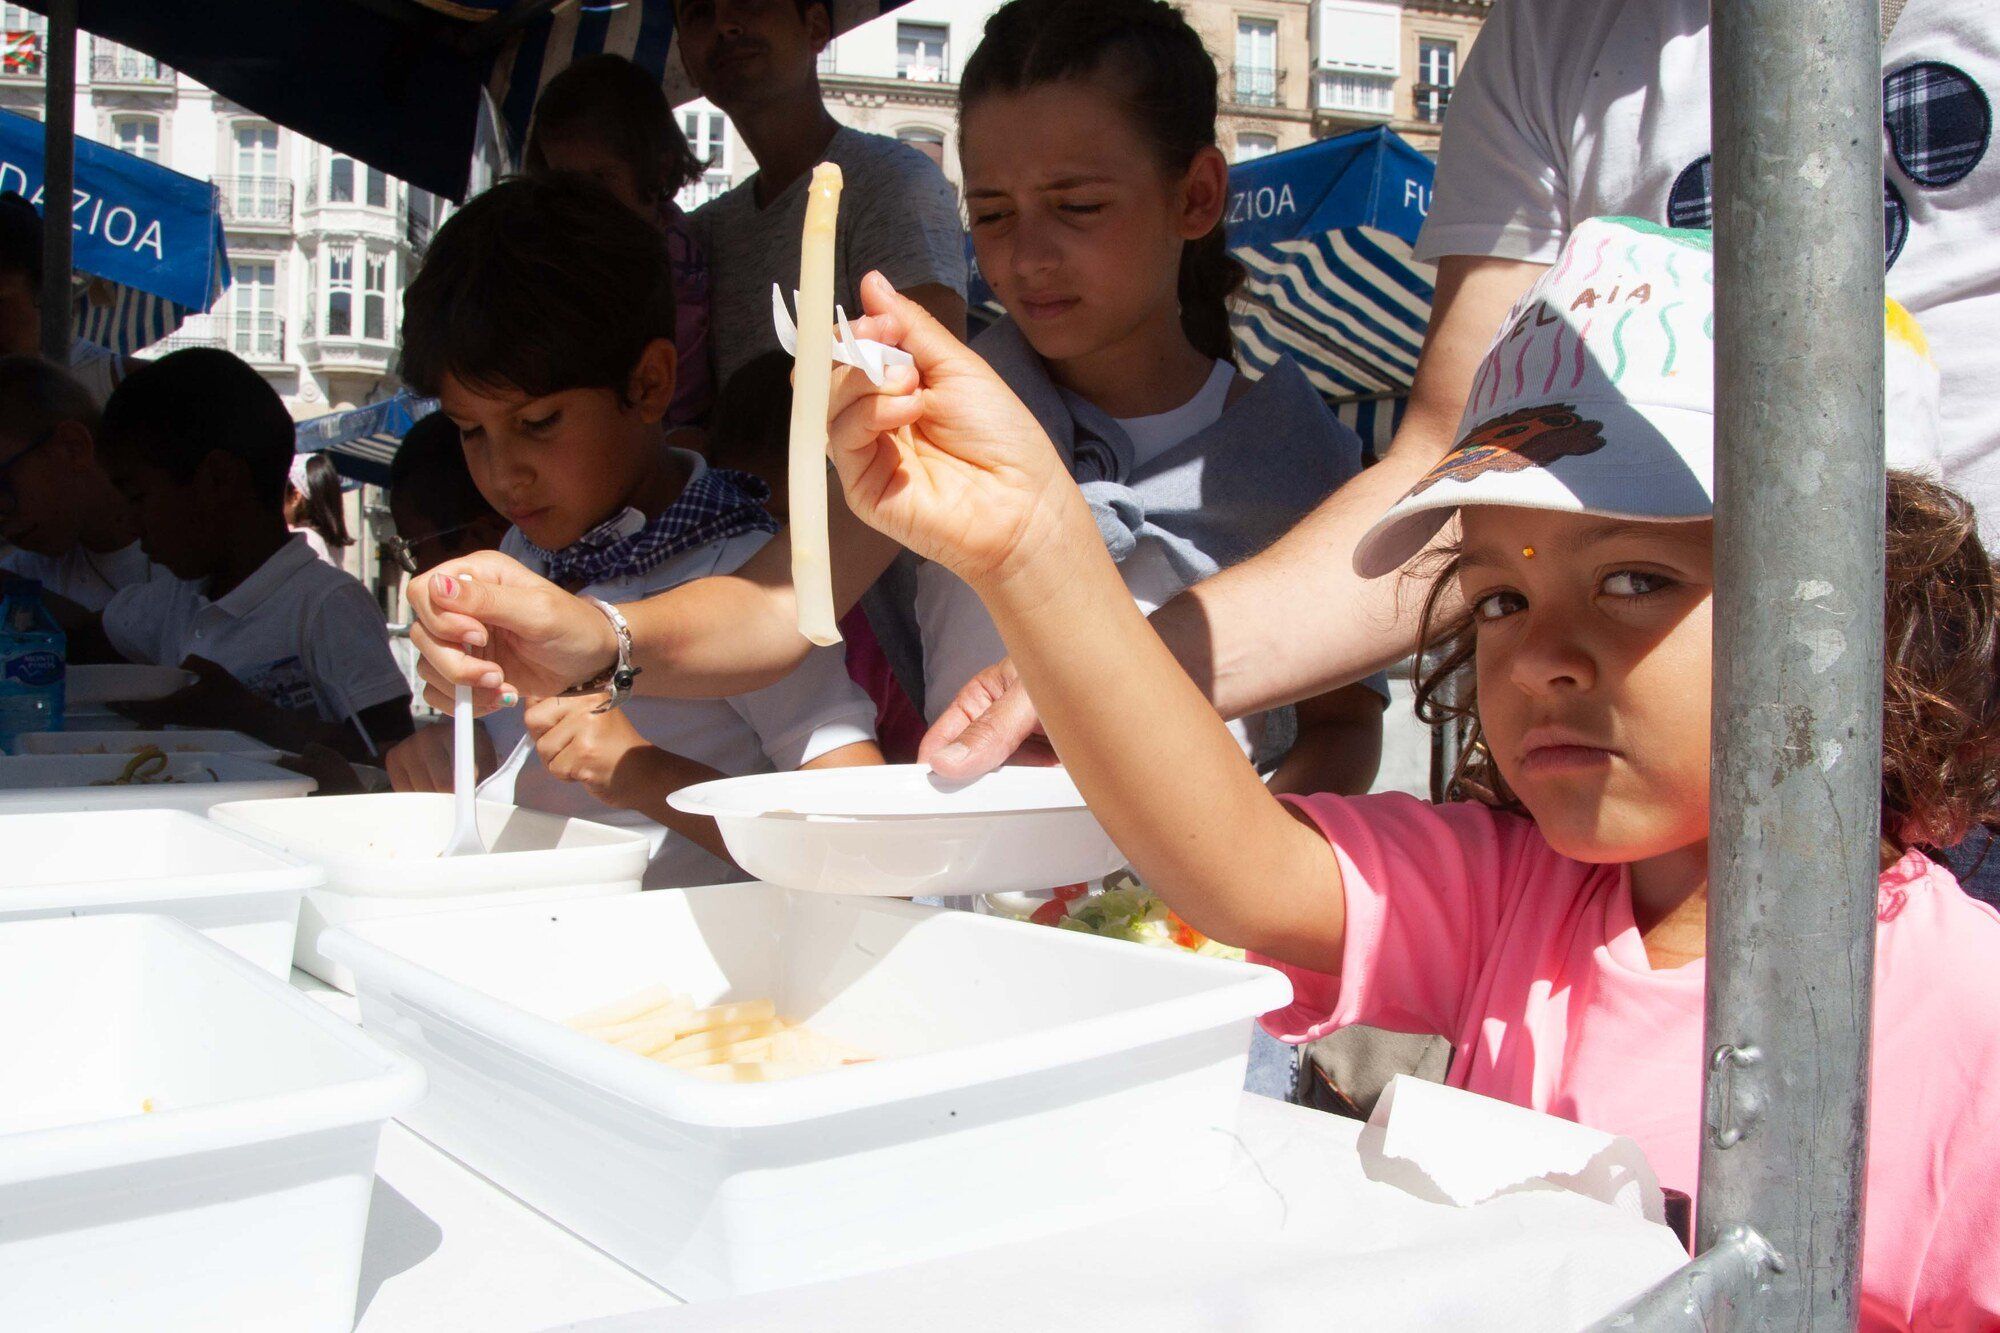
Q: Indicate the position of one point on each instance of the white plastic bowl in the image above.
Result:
(380, 855)
(900, 831)
(35, 783)
(121, 683)
(238, 892)
(1030, 1080)
(241, 1201)
(125, 742)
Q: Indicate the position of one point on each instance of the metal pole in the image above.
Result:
(58, 177)
(1796, 776)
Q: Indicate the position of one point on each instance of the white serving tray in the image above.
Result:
(35, 783)
(174, 741)
(1030, 1080)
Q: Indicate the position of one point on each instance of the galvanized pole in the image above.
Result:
(58, 177)
(1796, 777)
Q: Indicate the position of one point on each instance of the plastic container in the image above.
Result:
(191, 741)
(1028, 1080)
(94, 686)
(37, 783)
(241, 1200)
(380, 854)
(899, 831)
(33, 652)
(238, 892)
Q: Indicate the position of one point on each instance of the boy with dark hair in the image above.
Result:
(543, 320)
(288, 648)
(67, 526)
(96, 368)
(759, 61)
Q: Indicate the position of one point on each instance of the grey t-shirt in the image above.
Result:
(897, 213)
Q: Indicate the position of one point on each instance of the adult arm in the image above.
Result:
(1295, 620)
(1339, 747)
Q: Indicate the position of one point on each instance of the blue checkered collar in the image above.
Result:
(716, 504)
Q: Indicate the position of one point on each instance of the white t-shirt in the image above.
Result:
(898, 214)
(960, 639)
(319, 546)
(81, 575)
(298, 632)
(1571, 109)
(813, 711)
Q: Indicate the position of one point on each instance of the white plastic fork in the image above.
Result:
(465, 840)
(871, 358)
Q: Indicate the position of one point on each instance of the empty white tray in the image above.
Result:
(241, 1200)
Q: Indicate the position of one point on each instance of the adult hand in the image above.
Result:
(945, 459)
(532, 637)
(600, 751)
(422, 760)
(991, 722)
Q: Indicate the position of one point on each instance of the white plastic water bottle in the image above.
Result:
(32, 666)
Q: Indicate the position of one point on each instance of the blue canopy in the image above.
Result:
(399, 83)
(362, 440)
(1324, 235)
(152, 236)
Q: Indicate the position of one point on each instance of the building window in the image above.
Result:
(257, 191)
(112, 63)
(1363, 94)
(339, 291)
(920, 52)
(1250, 147)
(927, 141)
(827, 63)
(1256, 62)
(254, 330)
(708, 134)
(340, 180)
(1437, 71)
(23, 38)
(375, 297)
(378, 189)
(137, 135)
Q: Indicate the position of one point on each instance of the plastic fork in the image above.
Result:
(871, 358)
(464, 779)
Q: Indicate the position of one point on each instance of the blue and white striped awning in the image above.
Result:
(362, 441)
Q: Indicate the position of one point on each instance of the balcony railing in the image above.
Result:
(1256, 85)
(111, 63)
(350, 350)
(255, 201)
(256, 335)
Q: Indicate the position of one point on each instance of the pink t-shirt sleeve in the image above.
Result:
(1426, 887)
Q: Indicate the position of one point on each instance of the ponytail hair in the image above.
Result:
(1157, 66)
(318, 506)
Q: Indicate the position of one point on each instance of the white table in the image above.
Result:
(1299, 1232)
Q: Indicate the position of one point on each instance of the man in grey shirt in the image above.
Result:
(758, 61)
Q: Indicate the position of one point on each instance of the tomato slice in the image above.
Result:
(1069, 893)
(1050, 913)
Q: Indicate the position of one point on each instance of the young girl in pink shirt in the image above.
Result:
(1552, 922)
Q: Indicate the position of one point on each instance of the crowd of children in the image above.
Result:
(609, 458)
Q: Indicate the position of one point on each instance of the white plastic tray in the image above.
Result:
(900, 831)
(238, 892)
(1030, 1080)
(241, 1200)
(35, 783)
(118, 683)
(380, 855)
(177, 741)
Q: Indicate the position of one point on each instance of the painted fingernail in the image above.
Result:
(509, 699)
(445, 585)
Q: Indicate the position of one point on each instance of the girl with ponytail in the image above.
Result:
(1095, 194)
